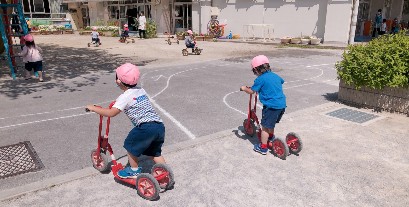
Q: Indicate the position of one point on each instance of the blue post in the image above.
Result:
(21, 17)
(6, 45)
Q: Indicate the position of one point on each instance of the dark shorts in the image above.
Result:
(37, 66)
(192, 45)
(146, 139)
(270, 117)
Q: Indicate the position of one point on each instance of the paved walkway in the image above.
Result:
(342, 164)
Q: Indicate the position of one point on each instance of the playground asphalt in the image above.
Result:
(342, 163)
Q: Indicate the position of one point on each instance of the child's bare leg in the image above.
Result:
(40, 75)
(133, 161)
(265, 133)
(159, 159)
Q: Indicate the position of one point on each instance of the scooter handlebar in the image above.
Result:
(246, 87)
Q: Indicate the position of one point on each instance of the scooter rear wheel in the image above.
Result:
(280, 148)
(294, 143)
(168, 181)
(184, 52)
(249, 128)
(147, 186)
(101, 162)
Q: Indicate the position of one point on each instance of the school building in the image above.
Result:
(330, 20)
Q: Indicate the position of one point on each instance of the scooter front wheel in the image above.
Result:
(164, 175)
(249, 128)
(147, 186)
(294, 143)
(101, 161)
(280, 148)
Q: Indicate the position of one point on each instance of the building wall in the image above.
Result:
(97, 12)
(338, 21)
(160, 13)
(323, 18)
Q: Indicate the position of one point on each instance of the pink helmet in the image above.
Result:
(189, 31)
(29, 38)
(259, 60)
(125, 25)
(128, 74)
(94, 28)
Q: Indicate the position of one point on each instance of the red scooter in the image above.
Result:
(147, 185)
(280, 147)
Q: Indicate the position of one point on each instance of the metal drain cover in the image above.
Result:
(18, 159)
(352, 115)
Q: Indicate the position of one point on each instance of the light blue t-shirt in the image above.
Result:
(269, 86)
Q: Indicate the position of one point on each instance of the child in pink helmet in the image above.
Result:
(32, 57)
(95, 35)
(125, 33)
(269, 87)
(148, 134)
(189, 40)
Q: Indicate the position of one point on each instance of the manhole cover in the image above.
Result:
(352, 115)
(18, 159)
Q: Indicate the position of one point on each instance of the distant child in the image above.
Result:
(269, 87)
(395, 26)
(189, 40)
(95, 35)
(148, 134)
(125, 33)
(378, 23)
(28, 24)
(383, 27)
(32, 58)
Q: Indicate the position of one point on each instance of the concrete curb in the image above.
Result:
(90, 171)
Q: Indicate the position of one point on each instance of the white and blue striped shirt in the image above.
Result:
(135, 103)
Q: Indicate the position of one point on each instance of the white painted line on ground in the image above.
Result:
(225, 102)
(44, 120)
(258, 104)
(309, 66)
(48, 112)
(167, 83)
(158, 77)
(183, 128)
(322, 73)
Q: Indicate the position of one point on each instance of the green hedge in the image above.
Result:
(382, 62)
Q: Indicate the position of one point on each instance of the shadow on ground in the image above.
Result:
(62, 65)
(332, 97)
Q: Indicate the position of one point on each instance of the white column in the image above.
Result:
(354, 19)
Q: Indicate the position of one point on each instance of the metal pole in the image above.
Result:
(353, 22)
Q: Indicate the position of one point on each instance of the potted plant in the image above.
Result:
(315, 40)
(305, 40)
(285, 40)
(296, 40)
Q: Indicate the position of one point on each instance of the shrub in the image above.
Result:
(382, 62)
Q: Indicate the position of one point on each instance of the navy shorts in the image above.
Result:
(146, 139)
(270, 117)
(37, 66)
(192, 45)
